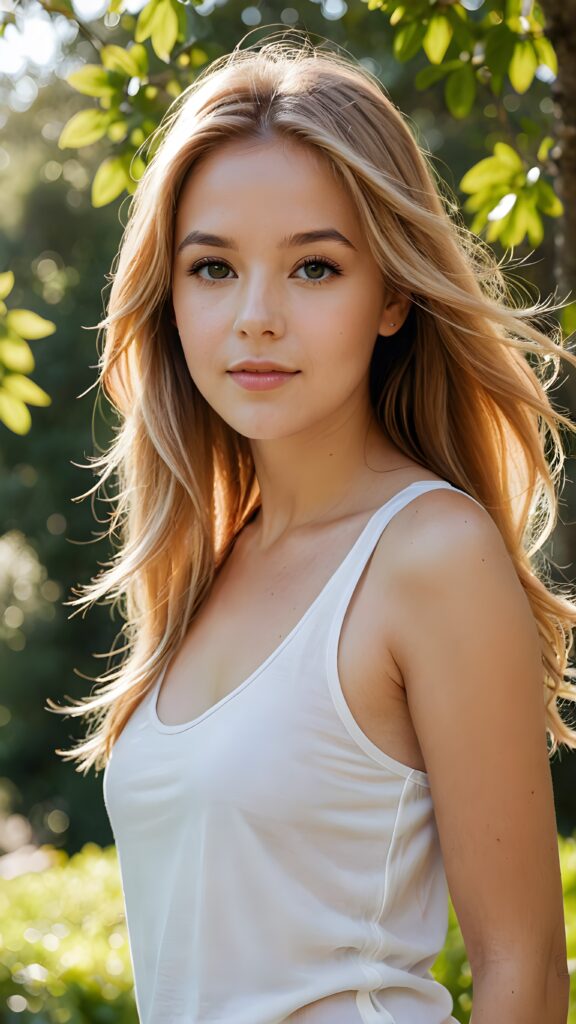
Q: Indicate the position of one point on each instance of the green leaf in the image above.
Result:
(93, 80)
(16, 354)
(544, 148)
(489, 197)
(84, 128)
(535, 229)
(29, 325)
(397, 15)
(460, 91)
(481, 219)
(434, 73)
(134, 172)
(500, 43)
(494, 229)
(546, 53)
(14, 413)
(507, 155)
(145, 21)
(182, 23)
(486, 174)
(547, 200)
(118, 130)
(25, 389)
(109, 181)
(116, 58)
(437, 38)
(6, 284)
(515, 224)
(523, 65)
(408, 39)
(164, 30)
(139, 55)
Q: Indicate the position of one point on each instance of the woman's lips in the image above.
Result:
(263, 380)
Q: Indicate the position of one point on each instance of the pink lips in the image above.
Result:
(263, 380)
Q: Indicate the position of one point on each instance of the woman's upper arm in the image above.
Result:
(467, 645)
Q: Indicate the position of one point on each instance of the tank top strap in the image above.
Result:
(367, 541)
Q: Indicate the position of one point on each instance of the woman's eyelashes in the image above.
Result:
(311, 261)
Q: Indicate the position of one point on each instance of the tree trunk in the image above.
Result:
(561, 30)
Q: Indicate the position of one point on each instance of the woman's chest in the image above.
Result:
(247, 616)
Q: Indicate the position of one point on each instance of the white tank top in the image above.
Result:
(271, 855)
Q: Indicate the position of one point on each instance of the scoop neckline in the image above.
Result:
(174, 727)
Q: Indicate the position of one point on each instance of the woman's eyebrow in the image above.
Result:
(291, 241)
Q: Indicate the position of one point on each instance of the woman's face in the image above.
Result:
(255, 297)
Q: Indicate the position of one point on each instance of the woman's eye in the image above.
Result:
(194, 271)
(312, 262)
(323, 264)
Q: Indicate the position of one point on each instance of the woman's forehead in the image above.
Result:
(287, 184)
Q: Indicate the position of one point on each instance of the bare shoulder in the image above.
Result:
(445, 568)
(441, 540)
(464, 637)
(435, 524)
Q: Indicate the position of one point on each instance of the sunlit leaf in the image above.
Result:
(16, 354)
(139, 55)
(516, 223)
(29, 325)
(134, 173)
(499, 169)
(548, 201)
(84, 128)
(507, 155)
(546, 53)
(544, 148)
(14, 413)
(116, 58)
(488, 197)
(408, 39)
(93, 80)
(164, 30)
(25, 389)
(145, 21)
(109, 181)
(523, 65)
(6, 283)
(437, 38)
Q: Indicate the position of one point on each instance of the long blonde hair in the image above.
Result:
(462, 388)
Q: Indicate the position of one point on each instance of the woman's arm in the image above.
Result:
(467, 645)
(515, 994)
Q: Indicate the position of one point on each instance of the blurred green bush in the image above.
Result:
(65, 958)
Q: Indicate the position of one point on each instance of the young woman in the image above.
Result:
(342, 663)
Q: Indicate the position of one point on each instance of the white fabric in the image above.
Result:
(271, 855)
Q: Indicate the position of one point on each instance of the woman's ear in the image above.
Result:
(394, 314)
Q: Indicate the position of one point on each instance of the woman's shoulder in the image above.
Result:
(437, 529)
